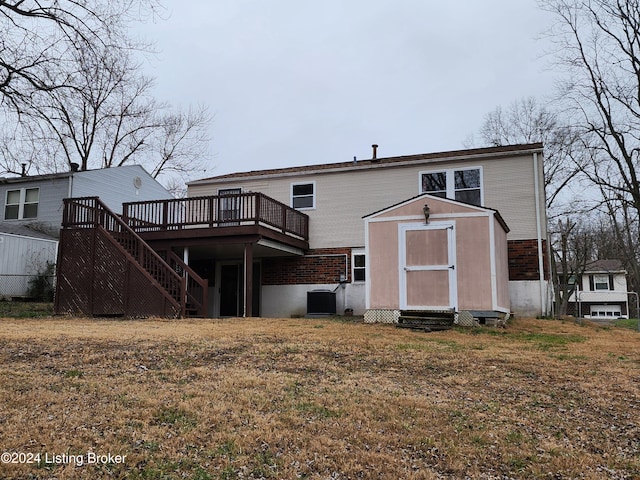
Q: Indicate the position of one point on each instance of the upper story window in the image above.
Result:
(303, 195)
(464, 185)
(21, 204)
(601, 282)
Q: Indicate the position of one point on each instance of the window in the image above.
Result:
(229, 206)
(467, 186)
(435, 184)
(464, 185)
(359, 267)
(601, 282)
(303, 195)
(21, 204)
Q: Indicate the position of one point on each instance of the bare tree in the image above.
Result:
(526, 121)
(572, 250)
(34, 38)
(182, 141)
(93, 106)
(598, 46)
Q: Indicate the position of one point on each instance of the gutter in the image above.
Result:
(536, 180)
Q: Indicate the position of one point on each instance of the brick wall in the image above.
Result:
(317, 266)
(326, 264)
(523, 259)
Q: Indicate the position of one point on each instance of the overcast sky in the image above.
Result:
(297, 82)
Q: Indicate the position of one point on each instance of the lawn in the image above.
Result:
(320, 398)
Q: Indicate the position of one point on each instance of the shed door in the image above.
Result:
(428, 267)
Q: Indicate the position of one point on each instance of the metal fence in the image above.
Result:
(26, 286)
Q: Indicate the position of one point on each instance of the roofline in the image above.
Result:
(31, 178)
(34, 237)
(49, 176)
(476, 153)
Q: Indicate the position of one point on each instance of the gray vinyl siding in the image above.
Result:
(344, 197)
(52, 191)
(115, 186)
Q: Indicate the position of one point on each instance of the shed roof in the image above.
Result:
(22, 230)
(503, 224)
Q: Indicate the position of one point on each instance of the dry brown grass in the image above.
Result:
(296, 398)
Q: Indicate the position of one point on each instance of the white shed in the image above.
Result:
(24, 254)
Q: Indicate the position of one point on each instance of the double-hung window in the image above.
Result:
(464, 185)
(303, 195)
(601, 282)
(21, 204)
(359, 266)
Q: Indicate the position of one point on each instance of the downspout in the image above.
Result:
(536, 182)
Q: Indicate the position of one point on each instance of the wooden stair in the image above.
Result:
(426, 321)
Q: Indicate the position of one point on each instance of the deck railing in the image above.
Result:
(216, 211)
(90, 212)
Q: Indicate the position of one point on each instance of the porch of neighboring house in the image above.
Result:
(173, 258)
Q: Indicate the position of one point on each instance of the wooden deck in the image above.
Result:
(218, 215)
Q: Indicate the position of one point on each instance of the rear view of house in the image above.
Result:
(310, 239)
(337, 198)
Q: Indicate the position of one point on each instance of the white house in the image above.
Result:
(601, 291)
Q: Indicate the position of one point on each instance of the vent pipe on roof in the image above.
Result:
(375, 151)
(24, 170)
(74, 167)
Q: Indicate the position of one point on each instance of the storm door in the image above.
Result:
(428, 267)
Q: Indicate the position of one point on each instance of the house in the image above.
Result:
(37, 200)
(276, 242)
(600, 292)
(32, 210)
(337, 196)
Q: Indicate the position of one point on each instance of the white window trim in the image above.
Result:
(450, 172)
(595, 283)
(313, 206)
(21, 204)
(357, 252)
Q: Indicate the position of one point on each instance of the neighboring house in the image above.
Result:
(31, 211)
(601, 292)
(281, 242)
(37, 200)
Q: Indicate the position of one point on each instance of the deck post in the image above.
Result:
(248, 279)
